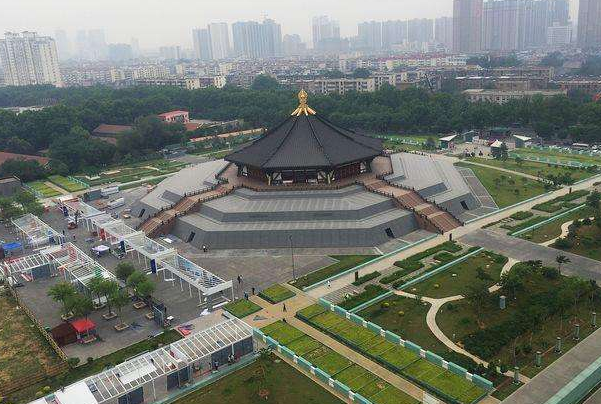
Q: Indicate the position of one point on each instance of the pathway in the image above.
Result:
(506, 170)
(565, 230)
(387, 262)
(524, 250)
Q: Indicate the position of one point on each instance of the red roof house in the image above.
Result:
(5, 156)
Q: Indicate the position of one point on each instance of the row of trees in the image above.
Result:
(103, 290)
(64, 128)
(18, 205)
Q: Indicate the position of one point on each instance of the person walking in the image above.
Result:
(284, 308)
(329, 285)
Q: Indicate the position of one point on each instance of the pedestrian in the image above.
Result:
(329, 285)
(284, 308)
(63, 232)
(204, 248)
(253, 290)
(74, 237)
(245, 295)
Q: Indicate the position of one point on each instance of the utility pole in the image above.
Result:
(292, 256)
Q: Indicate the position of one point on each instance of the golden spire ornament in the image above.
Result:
(303, 107)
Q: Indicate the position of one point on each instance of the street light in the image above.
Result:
(292, 256)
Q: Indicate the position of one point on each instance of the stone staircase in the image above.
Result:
(430, 216)
(163, 221)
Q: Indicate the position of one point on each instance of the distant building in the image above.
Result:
(170, 52)
(501, 97)
(293, 45)
(220, 40)
(394, 33)
(587, 86)
(500, 25)
(175, 117)
(589, 23)
(202, 44)
(9, 186)
(257, 40)
(369, 35)
(191, 83)
(559, 35)
(443, 31)
(6, 156)
(326, 35)
(119, 52)
(29, 59)
(467, 26)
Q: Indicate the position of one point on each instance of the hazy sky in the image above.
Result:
(169, 22)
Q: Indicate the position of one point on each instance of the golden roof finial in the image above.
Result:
(303, 107)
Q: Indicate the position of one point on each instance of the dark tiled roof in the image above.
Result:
(105, 129)
(307, 141)
(5, 156)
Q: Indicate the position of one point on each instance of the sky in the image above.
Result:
(170, 22)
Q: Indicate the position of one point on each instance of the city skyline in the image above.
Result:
(118, 20)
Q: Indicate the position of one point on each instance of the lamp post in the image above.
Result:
(292, 256)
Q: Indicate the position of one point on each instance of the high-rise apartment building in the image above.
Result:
(393, 33)
(119, 52)
(500, 25)
(257, 40)
(369, 35)
(443, 32)
(326, 32)
(202, 44)
(29, 59)
(293, 45)
(63, 46)
(420, 30)
(589, 23)
(467, 25)
(220, 40)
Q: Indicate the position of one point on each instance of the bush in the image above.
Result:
(370, 292)
(366, 278)
(72, 362)
(521, 215)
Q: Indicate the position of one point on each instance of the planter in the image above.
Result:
(121, 327)
(149, 316)
(67, 317)
(89, 339)
(139, 305)
(98, 306)
(109, 316)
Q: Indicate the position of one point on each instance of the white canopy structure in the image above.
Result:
(35, 233)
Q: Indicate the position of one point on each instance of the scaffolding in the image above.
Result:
(24, 266)
(35, 233)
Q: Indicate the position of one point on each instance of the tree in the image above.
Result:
(95, 286)
(511, 282)
(476, 295)
(124, 270)
(108, 288)
(593, 199)
(520, 162)
(135, 279)
(430, 143)
(483, 275)
(119, 300)
(561, 259)
(80, 306)
(62, 292)
(145, 289)
(264, 82)
(25, 170)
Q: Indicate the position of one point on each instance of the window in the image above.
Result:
(191, 237)
(142, 212)
(389, 232)
(464, 205)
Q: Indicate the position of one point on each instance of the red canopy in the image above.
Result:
(83, 325)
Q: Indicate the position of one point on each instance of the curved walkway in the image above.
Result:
(565, 230)
(436, 304)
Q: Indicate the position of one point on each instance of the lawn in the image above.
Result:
(584, 239)
(552, 230)
(43, 189)
(534, 316)
(242, 308)
(345, 262)
(485, 266)
(276, 294)
(506, 189)
(536, 169)
(133, 172)
(390, 355)
(405, 317)
(337, 366)
(514, 227)
(65, 183)
(23, 350)
(561, 202)
(284, 384)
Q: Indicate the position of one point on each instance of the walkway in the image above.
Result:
(565, 230)
(524, 250)
(532, 177)
(457, 233)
